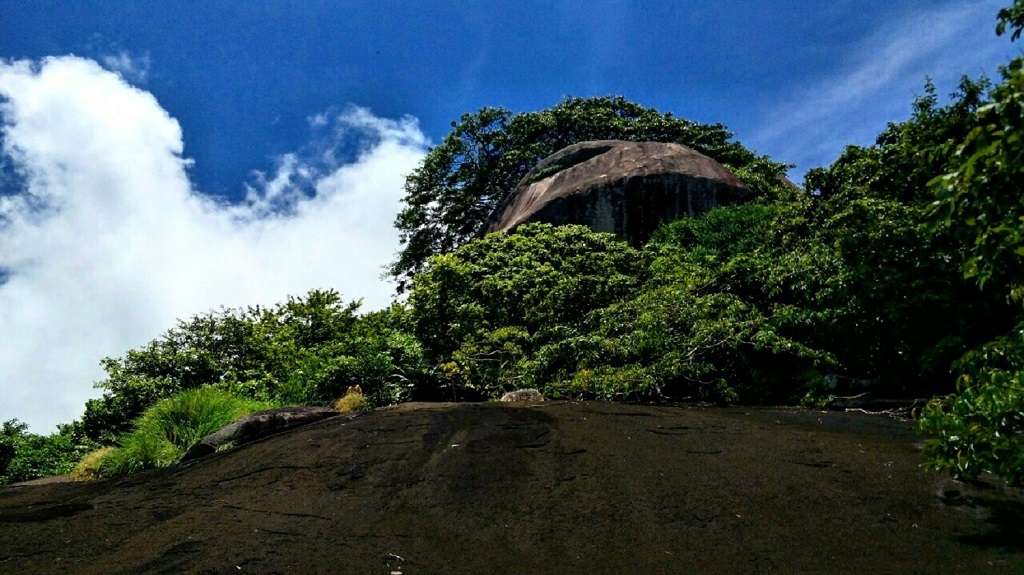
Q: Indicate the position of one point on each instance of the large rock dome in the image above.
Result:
(627, 188)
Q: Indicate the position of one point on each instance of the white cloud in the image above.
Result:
(107, 243)
(877, 79)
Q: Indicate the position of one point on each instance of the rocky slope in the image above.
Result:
(552, 488)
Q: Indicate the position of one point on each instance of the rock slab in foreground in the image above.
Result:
(555, 488)
(258, 425)
(626, 188)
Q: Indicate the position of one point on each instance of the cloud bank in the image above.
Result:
(104, 243)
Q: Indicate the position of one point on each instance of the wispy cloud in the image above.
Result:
(106, 242)
(877, 79)
(134, 69)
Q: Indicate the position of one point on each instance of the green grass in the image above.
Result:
(168, 429)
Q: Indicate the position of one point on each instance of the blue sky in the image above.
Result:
(162, 159)
(243, 77)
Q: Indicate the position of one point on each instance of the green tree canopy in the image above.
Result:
(979, 201)
(493, 314)
(307, 349)
(25, 455)
(979, 198)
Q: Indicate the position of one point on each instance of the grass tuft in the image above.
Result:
(171, 426)
(353, 400)
(90, 467)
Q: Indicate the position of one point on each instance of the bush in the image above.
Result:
(981, 427)
(724, 311)
(170, 427)
(607, 383)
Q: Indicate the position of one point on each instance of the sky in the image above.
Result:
(163, 159)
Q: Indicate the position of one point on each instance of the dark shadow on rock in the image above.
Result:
(1005, 521)
(43, 512)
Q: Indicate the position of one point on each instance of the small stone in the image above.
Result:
(522, 395)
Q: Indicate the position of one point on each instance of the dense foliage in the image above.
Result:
(981, 202)
(907, 288)
(504, 311)
(761, 302)
(582, 314)
(701, 326)
(25, 456)
(980, 198)
(981, 428)
(451, 195)
(307, 350)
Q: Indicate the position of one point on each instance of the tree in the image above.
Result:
(902, 285)
(306, 350)
(492, 313)
(1012, 18)
(450, 196)
(25, 456)
(979, 200)
(710, 321)
(10, 435)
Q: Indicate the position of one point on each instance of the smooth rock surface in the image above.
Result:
(627, 188)
(554, 488)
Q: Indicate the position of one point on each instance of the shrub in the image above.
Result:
(607, 383)
(170, 427)
(716, 319)
(981, 427)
